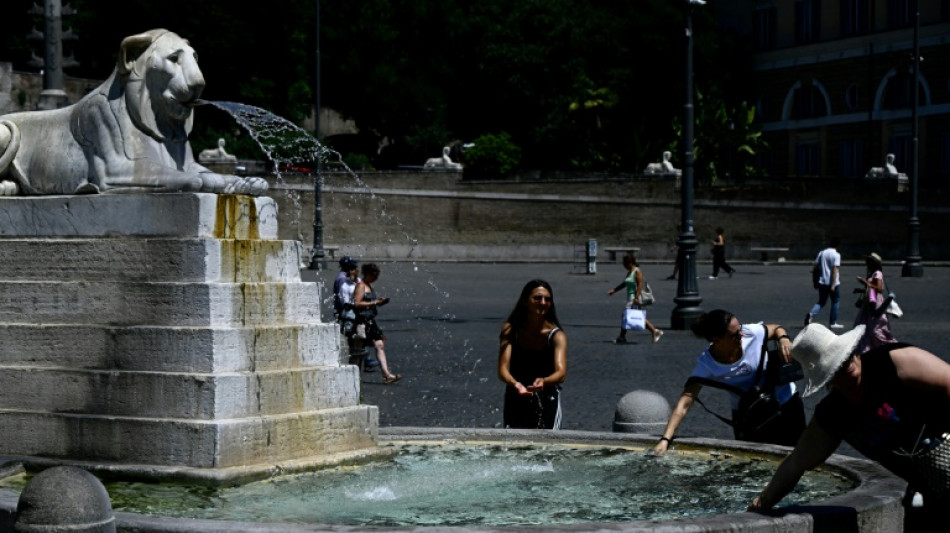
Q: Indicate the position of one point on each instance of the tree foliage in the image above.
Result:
(578, 84)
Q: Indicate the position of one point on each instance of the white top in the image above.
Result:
(347, 288)
(828, 259)
(741, 374)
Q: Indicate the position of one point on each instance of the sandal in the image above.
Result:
(391, 379)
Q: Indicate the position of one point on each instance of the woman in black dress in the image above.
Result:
(532, 360)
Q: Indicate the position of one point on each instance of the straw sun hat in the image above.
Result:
(874, 258)
(821, 353)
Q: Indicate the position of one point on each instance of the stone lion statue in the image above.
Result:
(129, 135)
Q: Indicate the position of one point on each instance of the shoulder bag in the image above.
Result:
(758, 406)
(646, 295)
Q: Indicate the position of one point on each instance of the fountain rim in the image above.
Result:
(878, 493)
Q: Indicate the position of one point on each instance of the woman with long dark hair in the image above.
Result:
(532, 360)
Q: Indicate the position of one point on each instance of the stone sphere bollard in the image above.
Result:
(64, 499)
(641, 411)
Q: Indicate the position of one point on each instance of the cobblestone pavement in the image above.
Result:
(443, 322)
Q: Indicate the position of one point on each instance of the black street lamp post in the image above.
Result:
(687, 290)
(913, 268)
(317, 254)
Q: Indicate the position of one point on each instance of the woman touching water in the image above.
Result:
(532, 360)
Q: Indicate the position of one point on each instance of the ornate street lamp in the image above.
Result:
(913, 268)
(318, 254)
(687, 290)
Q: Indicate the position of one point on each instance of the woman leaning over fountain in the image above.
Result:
(532, 360)
(734, 356)
(891, 403)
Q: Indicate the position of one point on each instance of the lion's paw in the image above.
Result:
(249, 186)
(8, 188)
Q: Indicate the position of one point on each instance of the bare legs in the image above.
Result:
(381, 357)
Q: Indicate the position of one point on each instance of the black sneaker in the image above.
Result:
(807, 318)
(620, 340)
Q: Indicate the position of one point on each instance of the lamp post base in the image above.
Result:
(318, 261)
(683, 317)
(912, 268)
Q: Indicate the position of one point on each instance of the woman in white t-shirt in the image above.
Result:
(732, 358)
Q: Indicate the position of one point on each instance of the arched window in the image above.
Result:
(809, 102)
(899, 93)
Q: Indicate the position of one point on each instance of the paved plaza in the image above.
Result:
(443, 322)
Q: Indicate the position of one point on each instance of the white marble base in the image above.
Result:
(167, 330)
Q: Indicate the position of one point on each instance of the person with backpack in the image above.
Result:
(736, 358)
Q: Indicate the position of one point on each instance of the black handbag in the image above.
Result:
(758, 406)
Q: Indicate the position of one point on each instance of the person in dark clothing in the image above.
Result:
(366, 304)
(891, 403)
(343, 287)
(532, 360)
(719, 255)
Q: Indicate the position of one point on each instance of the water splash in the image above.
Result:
(290, 147)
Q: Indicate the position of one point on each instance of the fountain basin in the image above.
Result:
(874, 505)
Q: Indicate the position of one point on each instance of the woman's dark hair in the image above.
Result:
(518, 315)
(630, 260)
(370, 268)
(712, 324)
(720, 231)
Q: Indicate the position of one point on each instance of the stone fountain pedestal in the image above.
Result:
(168, 335)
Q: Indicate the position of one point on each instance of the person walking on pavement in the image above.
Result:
(634, 285)
(344, 286)
(532, 360)
(719, 255)
(827, 267)
(366, 302)
(733, 357)
(872, 308)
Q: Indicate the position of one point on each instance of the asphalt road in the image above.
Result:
(443, 322)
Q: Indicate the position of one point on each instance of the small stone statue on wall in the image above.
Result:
(444, 162)
(889, 171)
(664, 167)
(216, 155)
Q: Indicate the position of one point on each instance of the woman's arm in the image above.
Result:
(813, 447)
(504, 359)
(560, 360)
(639, 277)
(622, 285)
(922, 370)
(690, 392)
(778, 333)
(358, 297)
